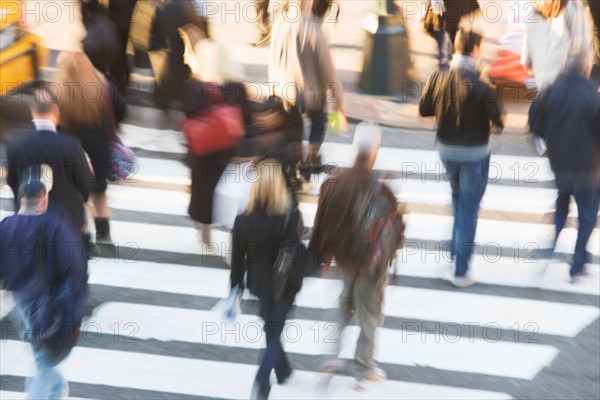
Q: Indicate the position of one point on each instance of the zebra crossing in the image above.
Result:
(150, 332)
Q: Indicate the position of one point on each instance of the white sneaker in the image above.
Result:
(463, 281)
(372, 376)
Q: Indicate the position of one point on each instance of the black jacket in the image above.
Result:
(256, 240)
(567, 116)
(463, 104)
(71, 173)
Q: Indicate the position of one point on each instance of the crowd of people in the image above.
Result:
(73, 138)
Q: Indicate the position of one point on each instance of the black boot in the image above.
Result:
(91, 249)
(102, 231)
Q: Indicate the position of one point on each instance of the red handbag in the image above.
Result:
(220, 128)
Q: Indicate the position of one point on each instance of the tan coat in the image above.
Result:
(300, 66)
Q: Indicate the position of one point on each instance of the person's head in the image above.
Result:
(43, 106)
(320, 8)
(83, 91)
(367, 140)
(33, 197)
(269, 192)
(550, 8)
(468, 43)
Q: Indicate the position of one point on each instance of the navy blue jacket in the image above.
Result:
(567, 116)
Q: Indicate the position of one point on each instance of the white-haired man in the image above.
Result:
(352, 201)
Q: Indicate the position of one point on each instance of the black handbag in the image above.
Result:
(290, 262)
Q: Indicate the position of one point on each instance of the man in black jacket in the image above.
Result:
(465, 107)
(72, 177)
(567, 116)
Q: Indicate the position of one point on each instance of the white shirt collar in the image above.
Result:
(44, 125)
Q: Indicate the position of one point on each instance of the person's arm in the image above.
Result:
(238, 255)
(536, 115)
(12, 173)
(494, 107)
(327, 70)
(83, 177)
(426, 105)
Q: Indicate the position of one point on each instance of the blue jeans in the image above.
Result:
(586, 190)
(48, 383)
(274, 357)
(468, 180)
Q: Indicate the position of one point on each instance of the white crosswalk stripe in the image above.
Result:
(163, 299)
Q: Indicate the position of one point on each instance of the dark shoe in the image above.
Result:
(260, 392)
(282, 380)
(103, 231)
(92, 250)
(578, 277)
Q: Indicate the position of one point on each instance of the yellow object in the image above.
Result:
(338, 124)
(22, 54)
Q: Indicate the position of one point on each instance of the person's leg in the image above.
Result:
(453, 177)
(368, 294)
(318, 123)
(102, 216)
(473, 182)
(274, 322)
(563, 201)
(587, 199)
(343, 316)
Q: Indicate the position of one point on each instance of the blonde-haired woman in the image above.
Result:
(257, 237)
(90, 109)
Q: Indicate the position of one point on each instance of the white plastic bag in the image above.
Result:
(228, 309)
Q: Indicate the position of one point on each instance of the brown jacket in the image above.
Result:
(333, 232)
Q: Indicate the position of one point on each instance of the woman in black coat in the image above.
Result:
(257, 237)
(198, 98)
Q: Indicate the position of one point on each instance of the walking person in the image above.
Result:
(567, 115)
(464, 106)
(257, 236)
(302, 69)
(48, 145)
(90, 109)
(454, 12)
(165, 36)
(45, 266)
(208, 121)
(558, 39)
(336, 234)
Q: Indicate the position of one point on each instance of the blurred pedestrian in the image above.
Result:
(202, 103)
(435, 25)
(90, 109)
(338, 232)
(455, 11)
(464, 106)
(165, 35)
(558, 39)
(567, 115)
(303, 73)
(107, 37)
(45, 266)
(47, 145)
(595, 11)
(257, 237)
